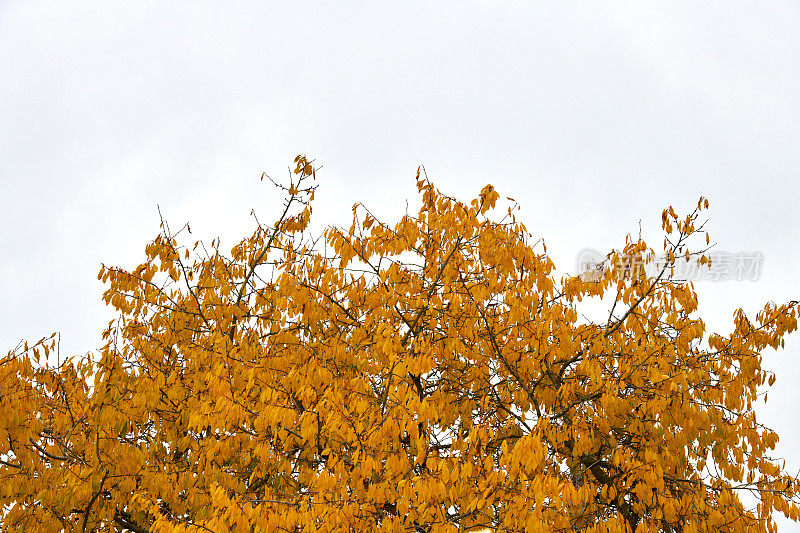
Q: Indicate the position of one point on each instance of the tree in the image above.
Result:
(431, 375)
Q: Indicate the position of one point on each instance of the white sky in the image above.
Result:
(592, 115)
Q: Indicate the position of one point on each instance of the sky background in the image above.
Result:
(594, 116)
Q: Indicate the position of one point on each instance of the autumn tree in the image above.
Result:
(428, 375)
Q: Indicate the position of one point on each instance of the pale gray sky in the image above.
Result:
(593, 115)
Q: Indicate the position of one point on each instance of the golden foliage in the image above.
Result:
(432, 375)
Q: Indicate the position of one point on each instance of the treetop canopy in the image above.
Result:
(429, 375)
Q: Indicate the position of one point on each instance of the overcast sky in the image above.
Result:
(594, 116)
